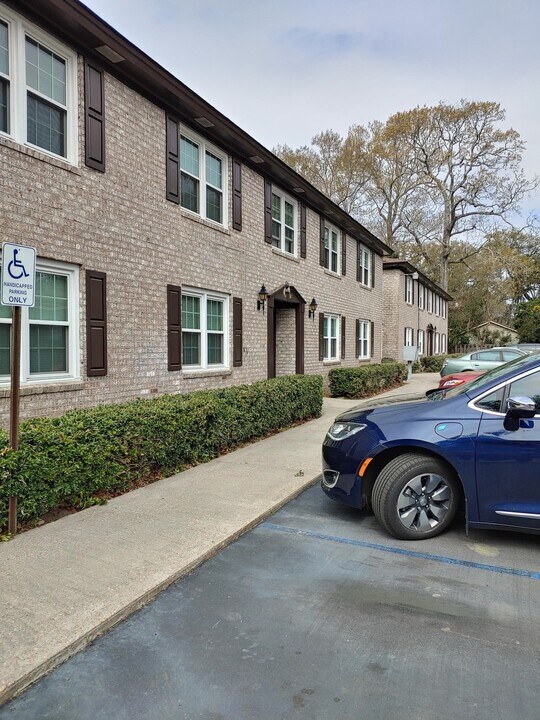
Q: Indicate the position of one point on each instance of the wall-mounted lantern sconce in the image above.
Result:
(263, 297)
(287, 290)
(312, 308)
(415, 275)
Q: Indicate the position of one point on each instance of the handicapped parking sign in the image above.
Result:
(18, 275)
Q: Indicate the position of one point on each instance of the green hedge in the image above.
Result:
(431, 363)
(70, 458)
(363, 381)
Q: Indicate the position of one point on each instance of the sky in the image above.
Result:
(288, 69)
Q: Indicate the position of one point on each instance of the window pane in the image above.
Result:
(215, 349)
(326, 238)
(334, 241)
(493, 401)
(4, 49)
(289, 214)
(213, 204)
(46, 126)
(289, 240)
(48, 348)
(5, 330)
(4, 91)
(191, 312)
(189, 192)
(333, 348)
(191, 348)
(189, 156)
(213, 170)
(276, 207)
(276, 231)
(334, 262)
(45, 71)
(214, 315)
(51, 298)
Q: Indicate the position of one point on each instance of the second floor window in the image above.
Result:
(203, 179)
(364, 265)
(409, 296)
(331, 248)
(429, 301)
(421, 295)
(38, 93)
(284, 212)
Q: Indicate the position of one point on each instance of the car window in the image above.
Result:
(492, 402)
(510, 355)
(527, 387)
(488, 355)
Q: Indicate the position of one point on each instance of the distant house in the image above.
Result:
(415, 311)
(493, 333)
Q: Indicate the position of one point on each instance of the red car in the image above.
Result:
(449, 381)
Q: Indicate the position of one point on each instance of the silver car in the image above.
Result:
(481, 360)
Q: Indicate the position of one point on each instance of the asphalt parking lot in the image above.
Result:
(318, 614)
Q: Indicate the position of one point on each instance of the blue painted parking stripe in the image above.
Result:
(402, 551)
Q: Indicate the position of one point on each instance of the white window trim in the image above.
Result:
(337, 318)
(73, 353)
(204, 147)
(209, 295)
(18, 28)
(421, 291)
(409, 337)
(420, 342)
(409, 290)
(437, 305)
(437, 344)
(430, 302)
(443, 343)
(285, 197)
(363, 248)
(364, 324)
(332, 228)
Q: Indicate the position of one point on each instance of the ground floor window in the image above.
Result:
(420, 342)
(49, 330)
(409, 337)
(443, 343)
(331, 337)
(204, 329)
(364, 339)
(437, 349)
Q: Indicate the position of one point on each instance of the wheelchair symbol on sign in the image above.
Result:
(15, 263)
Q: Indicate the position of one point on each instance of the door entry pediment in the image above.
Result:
(287, 293)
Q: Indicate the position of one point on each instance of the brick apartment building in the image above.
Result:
(157, 222)
(415, 311)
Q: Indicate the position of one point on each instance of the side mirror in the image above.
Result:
(517, 408)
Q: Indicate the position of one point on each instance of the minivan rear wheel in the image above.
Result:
(415, 497)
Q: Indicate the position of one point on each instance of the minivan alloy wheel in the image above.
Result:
(424, 501)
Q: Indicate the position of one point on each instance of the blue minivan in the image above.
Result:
(415, 463)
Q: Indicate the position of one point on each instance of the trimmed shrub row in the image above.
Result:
(364, 381)
(69, 459)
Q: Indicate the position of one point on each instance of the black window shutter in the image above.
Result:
(406, 279)
(343, 253)
(237, 194)
(358, 258)
(237, 332)
(268, 212)
(372, 269)
(405, 336)
(357, 344)
(321, 240)
(321, 336)
(343, 335)
(174, 327)
(94, 109)
(303, 223)
(96, 323)
(372, 338)
(173, 162)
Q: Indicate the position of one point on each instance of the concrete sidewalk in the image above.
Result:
(69, 581)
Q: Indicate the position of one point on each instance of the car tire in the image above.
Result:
(415, 497)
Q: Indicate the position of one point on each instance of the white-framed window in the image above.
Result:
(284, 221)
(443, 343)
(443, 308)
(331, 325)
(421, 296)
(437, 305)
(420, 342)
(437, 348)
(205, 330)
(429, 301)
(332, 248)
(49, 330)
(364, 339)
(38, 88)
(364, 260)
(409, 337)
(409, 290)
(203, 178)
